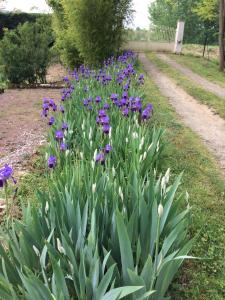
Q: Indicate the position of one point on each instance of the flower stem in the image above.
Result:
(156, 254)
(6, 199)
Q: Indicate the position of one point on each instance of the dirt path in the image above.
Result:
(210, 127)
(213, 88)
(22, 129)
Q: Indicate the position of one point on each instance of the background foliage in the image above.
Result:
(89, 30)
(168, 12)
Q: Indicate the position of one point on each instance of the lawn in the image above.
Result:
(202, 279)
(203, 67)
(213, 101)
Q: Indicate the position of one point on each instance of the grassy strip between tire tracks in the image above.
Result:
(215, 102)
(202, 279)
(201, 66)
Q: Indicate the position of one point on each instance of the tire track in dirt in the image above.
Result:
(210, 127)
(209, 86)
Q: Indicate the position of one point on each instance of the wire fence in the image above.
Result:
(154, 34)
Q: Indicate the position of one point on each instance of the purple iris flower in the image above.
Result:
(114, 97)
(145, 114)
(52, 162)
(106, 129)
(126, 87)
(51, 102)
(45, 100)
(85, 102)
(45, 106)
(125, 95)
(100, 158)
(63, 147)
(149, 107)
(54, 107)
(123, 101)
(59, 135)
(65, 126)
(6, 173)
(108, 148)
(66, 79)
(98, 99)
(51, 121)
(118, 103)
(136, 105)
(141, 79)
(61, 108)
(101, 113)
(106, 106)
(90, 107)
(44, 113)
(125, 112)
(104, 120)
(108, 78)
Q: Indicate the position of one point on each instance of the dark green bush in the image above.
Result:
(25, 52)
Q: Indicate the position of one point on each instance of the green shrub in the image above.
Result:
(25, 52)
(3, 82)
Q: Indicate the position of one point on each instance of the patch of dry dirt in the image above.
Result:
(212, 87)
(210, 127)
(22, 129)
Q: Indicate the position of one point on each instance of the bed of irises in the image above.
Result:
(109, 226)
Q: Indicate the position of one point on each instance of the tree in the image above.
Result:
(90, 30)
(167, 12)
(221, 34)
(208, 11)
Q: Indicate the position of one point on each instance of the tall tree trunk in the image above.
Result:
(221, 34)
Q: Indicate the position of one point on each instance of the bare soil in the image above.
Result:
(22, 129)
(213, 88)
(209, 126)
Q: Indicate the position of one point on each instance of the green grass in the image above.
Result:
(197, 50)
(199, 279)
(29, 181)
(215, 102)
(202, 66)
(34, 178)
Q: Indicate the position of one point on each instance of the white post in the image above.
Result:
(179, 37)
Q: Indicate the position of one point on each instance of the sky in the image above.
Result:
(140, 6)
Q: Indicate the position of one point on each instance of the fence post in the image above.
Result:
(179, 37)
